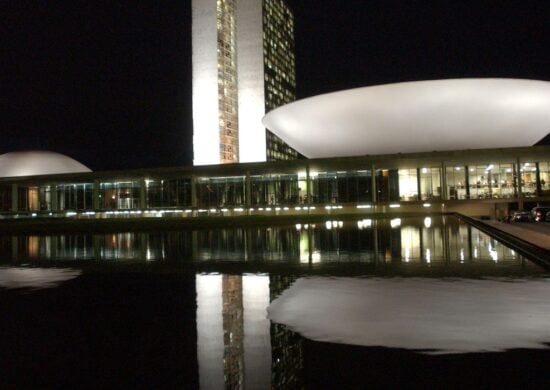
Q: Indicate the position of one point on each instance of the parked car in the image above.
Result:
(539, 214)
(521, 216)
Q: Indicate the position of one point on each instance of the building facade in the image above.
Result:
(242, 69)
(474, 182)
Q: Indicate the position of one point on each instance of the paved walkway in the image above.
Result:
(534, 233)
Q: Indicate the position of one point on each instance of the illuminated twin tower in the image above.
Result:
(243, 67)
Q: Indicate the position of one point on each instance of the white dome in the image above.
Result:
(419, 116)
(31, 163)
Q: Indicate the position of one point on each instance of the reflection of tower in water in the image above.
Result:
(233, 331)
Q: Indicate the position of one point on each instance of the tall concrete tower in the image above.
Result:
(243, 67)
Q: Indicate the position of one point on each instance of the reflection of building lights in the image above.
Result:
(462, 255)
(277, 209)
(285, 208)
(424, 170)
(427, 205)
(298, 226)
(457, 168)
(428, 222)
(340, 224)
(396, 222)
(475, 253)
(297, 208)
(428, 256)
(328, 224)
(364, 206)
(395, 205)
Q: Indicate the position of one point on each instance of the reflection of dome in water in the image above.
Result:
(30, 163)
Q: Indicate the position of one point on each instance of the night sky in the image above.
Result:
(109, 82)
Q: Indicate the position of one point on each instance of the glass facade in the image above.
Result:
(77, 197)
(294, 184)
(279, 70)
(276, 189)
(168, 193)
(221, 191)
(341, 187)
(123, 195)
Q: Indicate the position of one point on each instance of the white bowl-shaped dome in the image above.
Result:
(31, 163)
(420, 116)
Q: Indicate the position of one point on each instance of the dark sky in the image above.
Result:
(109, 82)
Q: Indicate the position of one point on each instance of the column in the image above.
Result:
(467, 181)
(53, 198)
(194, 194)
(95, 195)
(418, 186)
(14, 198)
(443, 182)
(308, 186)
(539, 185)
(248, 190)
(373, 184)
(143, 193)
(520, 191)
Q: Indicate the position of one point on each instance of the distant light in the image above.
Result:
(424, 170)
(427, 205)
(298, 208)
(328, 225)
(395, 205)
(298, 226)
(396, 222)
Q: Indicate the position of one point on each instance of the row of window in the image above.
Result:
(487, 181)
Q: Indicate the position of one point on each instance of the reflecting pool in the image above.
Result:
(346, 303)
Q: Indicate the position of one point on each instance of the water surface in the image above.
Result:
(351, 303)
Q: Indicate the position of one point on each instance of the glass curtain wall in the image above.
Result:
(34, 198)
(408, 184)
(528, 172)
(119, 195)
(544, 178)
(276, 189)
(78, 197)
(457, 188)
(387, 185)
(341, 187)
(430, 184)
(492, 181)
(221, 191)
(168, 193)
(5, 198)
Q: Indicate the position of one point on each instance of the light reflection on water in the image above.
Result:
(35, 278)
(422, 241)
(234, 342)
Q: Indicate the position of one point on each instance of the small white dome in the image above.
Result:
(31, 163)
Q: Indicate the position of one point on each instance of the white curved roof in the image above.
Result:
(30, 163)
(418, 116)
